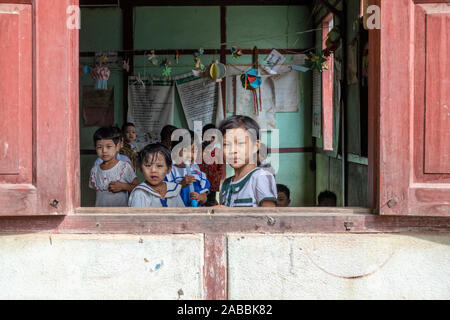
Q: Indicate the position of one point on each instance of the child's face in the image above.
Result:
(283, 200)
(155, 169)
(130, 134)
(106, 149)
(239, 148)
(187, 155)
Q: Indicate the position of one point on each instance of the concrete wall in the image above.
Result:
(296, 266)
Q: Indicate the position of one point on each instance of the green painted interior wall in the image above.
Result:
(195, 27)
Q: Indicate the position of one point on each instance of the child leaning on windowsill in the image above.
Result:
(155, 163)
(250, 186)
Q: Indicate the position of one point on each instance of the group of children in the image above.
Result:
(179, 181)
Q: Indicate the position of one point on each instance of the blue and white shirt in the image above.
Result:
(144, 196)
(201, 184)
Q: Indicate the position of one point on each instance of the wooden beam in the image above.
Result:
(215, 267)
(128, 45)
(223, 52)
(222, 221)
(192, 51)
(175, 3)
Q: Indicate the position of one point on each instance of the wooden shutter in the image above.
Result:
(412, 80)
(38, 108)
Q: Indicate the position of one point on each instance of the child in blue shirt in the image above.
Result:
(184, 155)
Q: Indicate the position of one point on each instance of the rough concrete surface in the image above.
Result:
(38, 266)
(327, 266)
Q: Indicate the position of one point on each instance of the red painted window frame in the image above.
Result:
(327, 90)
(53, 188)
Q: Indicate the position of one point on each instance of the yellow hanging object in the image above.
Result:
(197, 62)
(214, 71)
(217, 71)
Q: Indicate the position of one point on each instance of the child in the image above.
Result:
(112, 179)
(166, 135)
(129, 148)
(283, 199)
(250, 186)
(155, 163)
(180, 175)
(327, 199)
(214, 171)
(119, 156)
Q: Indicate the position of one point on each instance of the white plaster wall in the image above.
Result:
(100, 266)
(327, 266)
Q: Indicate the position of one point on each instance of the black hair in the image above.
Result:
(284, 189)
(324, 195)
(239, 121)
(151, 151)
(180, 139)
(108, 133)
(207, 127)
(126, 125)
(166, 132)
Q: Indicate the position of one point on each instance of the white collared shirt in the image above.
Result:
(250, 191)
(144, 196)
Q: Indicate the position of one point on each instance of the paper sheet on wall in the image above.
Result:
(150, 107)
(201, 100)
(98, 107)
(280, 93)
(286, 89)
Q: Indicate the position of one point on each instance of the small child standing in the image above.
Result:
(214, 171)
(179, 173)
(112, 179)
(155, 163)
(166, 135)
(250, 186)
(284, 196)
(129, 149)
(119, 156)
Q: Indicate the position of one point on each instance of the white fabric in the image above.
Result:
(119, 156)
(177, 174)
(260, 186)
(144, 196)
(100, 180)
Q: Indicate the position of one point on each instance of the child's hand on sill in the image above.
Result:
(117, 186)
(200, 197)
(187, 180)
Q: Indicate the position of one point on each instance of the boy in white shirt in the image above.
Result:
(113, 179)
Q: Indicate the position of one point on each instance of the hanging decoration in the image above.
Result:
(101, 75)
(252, 81)
(333, 41)
(217, 71)
(126, 65)
(197, 62)
(236, 52)
(86, 69)
(316, 61)
(177, 56)
(153, 58)
(167, 70)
